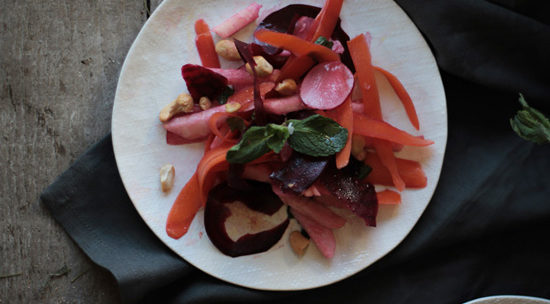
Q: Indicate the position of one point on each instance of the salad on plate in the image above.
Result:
(296, 131)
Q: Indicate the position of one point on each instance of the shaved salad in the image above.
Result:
(295, 132)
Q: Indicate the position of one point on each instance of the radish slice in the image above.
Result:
(322, 236)
(238, 21)
(327, 85)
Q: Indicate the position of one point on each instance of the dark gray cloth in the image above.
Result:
(485, 232)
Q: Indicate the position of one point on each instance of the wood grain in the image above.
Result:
(58, 70)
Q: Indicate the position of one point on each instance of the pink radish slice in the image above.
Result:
(238, 21)
(175, 140)
(192, 126)
(307, 206)
(327, 85)
(322, 236)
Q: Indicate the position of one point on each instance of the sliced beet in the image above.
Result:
(327, 85)
(260, 199)
(300, 172)
(283, 21)
(246, 54)
(202, 81)
(342, 189)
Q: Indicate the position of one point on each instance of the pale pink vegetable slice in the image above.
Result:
(281, 106)
(238, 21)
(192, 126)
(307, 206)
(323, 237)
(240, 77)
(327, 85)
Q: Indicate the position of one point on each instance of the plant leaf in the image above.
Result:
(278, 136)
(530, 124)
(324, 42)
(317, 136)
(252, 145)
(236, 124)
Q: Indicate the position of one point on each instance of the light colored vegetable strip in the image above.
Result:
(238, 21)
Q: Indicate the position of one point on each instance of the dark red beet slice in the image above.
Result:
(203, 82)
(284, 19)
(300, 172)
(348, 191)
(261, 199)
(246, 54)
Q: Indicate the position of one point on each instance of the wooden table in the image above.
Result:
(59, 68)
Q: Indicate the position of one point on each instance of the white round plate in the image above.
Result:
(151, 78)
(508, 299)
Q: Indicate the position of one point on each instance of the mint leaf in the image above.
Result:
(530, 124)
(225, 94)
(324, 42)
(364, 171)
(317, 136)
(278, 136)
(252, 145)
(236, 124)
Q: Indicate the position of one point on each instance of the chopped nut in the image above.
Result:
(358, 147)
(298, 242)
(227, 49)
(205, 103)
(287, 87)
(231, 107)
(263, 68)
(182, 104)
(167, 174)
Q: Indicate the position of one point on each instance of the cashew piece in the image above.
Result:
(227, 49)
(182, 104)
(287, 87)
(263, 68)
(298, 242)
(167, 174)
(205, 103)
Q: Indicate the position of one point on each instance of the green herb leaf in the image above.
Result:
(530, 124)
(364, 171)
(236, 124)
(278, 136)
(252, 145)
(225, 94)
(317, 136)
(324, 42)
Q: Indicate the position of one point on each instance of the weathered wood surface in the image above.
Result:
(58, 70)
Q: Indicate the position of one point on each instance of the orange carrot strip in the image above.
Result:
(411, 172)
(365, 126)
(343, 115)
(297, 46)
(388, 197)
(295, 67)
(184, 209)
(360, 55)
(403, 96)
(327, 19)
(385, 152)
(205, 45)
